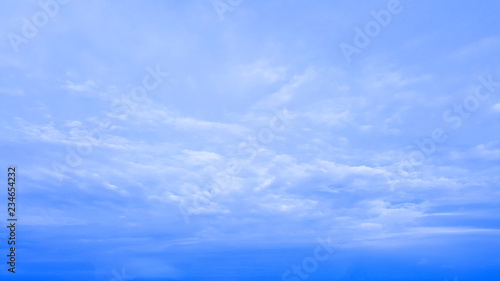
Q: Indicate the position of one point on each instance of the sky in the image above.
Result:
(251, 140)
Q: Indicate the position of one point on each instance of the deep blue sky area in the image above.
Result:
(251, 140)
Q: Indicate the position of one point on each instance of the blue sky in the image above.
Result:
(238, 140)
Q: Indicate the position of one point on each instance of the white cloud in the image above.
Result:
(88, 85)
(195, 158)
(45, 132)
(188, 123)
(341, 170)
(483, 46)
(12, 92)
(73, 123)
(328, 117)
(262, 71)
(281, 203)
(489, 150)
(285, 94)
